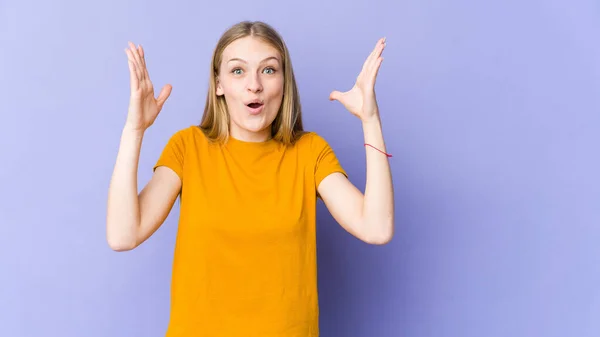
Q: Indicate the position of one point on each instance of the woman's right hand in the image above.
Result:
(143, 106)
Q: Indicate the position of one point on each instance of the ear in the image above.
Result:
(219, 88)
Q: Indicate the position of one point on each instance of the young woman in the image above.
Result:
(248, 178)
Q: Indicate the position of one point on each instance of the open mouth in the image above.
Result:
(255, 108)
(255, 105)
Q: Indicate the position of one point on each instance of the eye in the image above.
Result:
(237, 71)
(269, 70)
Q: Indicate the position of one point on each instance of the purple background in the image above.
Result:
(492, 113)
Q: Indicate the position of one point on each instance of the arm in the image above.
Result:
(369, 217)
(132, 218)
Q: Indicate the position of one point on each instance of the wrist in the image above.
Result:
(131, 131)
(371, 124)
(371, 120)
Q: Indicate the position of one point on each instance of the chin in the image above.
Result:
(255, 126)
(254, 123)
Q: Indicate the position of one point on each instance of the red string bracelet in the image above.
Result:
(387, 154)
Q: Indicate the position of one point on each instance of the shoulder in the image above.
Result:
(317, 150)
(187, 132)
(183, 142)
(312, 142)
(187, 135)
(321, 156)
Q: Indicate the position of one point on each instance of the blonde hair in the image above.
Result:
(287, 126)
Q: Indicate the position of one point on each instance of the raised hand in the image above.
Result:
(143, 106)
(360, 100)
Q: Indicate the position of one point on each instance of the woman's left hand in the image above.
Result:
(360, 100)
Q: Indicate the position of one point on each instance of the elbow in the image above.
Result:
(380, 240)
(120, 244)
(380, 235)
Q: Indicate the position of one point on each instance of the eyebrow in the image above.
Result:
(244, 61)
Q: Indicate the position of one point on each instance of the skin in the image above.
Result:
(368, 216)
(254, 74)
(251, 70)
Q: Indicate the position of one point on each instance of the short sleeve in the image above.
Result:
(326, 162)
(173, 154)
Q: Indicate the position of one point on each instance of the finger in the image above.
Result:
(374, 63)
(377, 47)
(373, 50)
(377, 66)
(137, 58)
(133, 80)
(133, 68)
(142, 54)
(143, 57)
(335, 95)
(163, 95)
(372, 56)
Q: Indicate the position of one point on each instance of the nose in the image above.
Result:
(254, 83)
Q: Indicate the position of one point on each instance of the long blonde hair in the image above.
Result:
(287, 126)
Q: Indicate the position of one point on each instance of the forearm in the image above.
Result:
(123, 214)
(378, 207)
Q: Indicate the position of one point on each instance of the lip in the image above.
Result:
(255, 111)
(260, 101)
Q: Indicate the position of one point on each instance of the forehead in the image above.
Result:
(250, 49)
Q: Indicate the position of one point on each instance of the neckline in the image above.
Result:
(269, 144)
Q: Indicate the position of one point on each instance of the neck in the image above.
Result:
(249, 136)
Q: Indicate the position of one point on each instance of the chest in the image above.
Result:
(268, 196)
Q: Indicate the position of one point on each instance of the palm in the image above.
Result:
(360, 99)
(148, 104)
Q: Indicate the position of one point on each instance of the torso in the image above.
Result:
(245, 258)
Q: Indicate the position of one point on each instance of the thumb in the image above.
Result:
(165, 92)
(335, 95)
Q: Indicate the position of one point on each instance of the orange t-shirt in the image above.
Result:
(245, 255)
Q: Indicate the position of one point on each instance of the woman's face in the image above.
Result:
(251, 80)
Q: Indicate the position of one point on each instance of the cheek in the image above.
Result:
(276, 88)
(230, 89)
